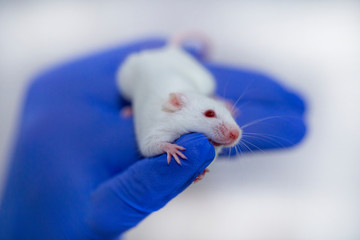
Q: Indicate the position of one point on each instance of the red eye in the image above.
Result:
(210, 113)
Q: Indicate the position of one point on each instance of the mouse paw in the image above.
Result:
(127, 111)
(202, 175)
(172, 150)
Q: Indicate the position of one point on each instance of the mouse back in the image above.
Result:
(163, 68)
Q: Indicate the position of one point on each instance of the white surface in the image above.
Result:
(310, 192)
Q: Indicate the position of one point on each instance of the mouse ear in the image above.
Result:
(175, 102)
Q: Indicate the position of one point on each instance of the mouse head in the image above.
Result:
(197, 113)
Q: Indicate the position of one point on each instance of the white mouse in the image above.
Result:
(171, 94)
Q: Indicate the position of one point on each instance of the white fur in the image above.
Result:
(147, 78)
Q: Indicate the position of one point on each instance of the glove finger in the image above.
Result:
(91, 79)
(146, 186)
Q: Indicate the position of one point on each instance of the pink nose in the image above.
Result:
(234, 134)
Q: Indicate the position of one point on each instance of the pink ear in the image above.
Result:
(175, 102)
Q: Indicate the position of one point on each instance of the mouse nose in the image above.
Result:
(234, 134)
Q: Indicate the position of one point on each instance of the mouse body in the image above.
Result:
(171, 95)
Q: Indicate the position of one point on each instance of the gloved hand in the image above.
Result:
(74, 172)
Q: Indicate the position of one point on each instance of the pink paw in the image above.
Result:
(202, 175)
(127, 111)
(172, 150)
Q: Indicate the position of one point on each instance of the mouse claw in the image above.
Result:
(176, 158)
(181, 155)
(172, 150)
(201, 176)
(168, 158)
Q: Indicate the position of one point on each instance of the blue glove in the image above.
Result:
(74, 172)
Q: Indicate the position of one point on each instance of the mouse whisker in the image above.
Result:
(271, 136)
(244, 144)
(260, 120)
(229, 154)
(240, 97)
(248, 142)
(266, 139)
(238, 148)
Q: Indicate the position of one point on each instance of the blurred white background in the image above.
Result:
(305, 193)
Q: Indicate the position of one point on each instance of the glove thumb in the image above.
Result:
(146, 186)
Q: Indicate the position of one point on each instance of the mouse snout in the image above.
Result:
(234, 134)
(228, 135)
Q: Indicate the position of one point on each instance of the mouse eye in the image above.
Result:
(210, 113)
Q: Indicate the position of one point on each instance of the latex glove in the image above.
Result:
(74, 172)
